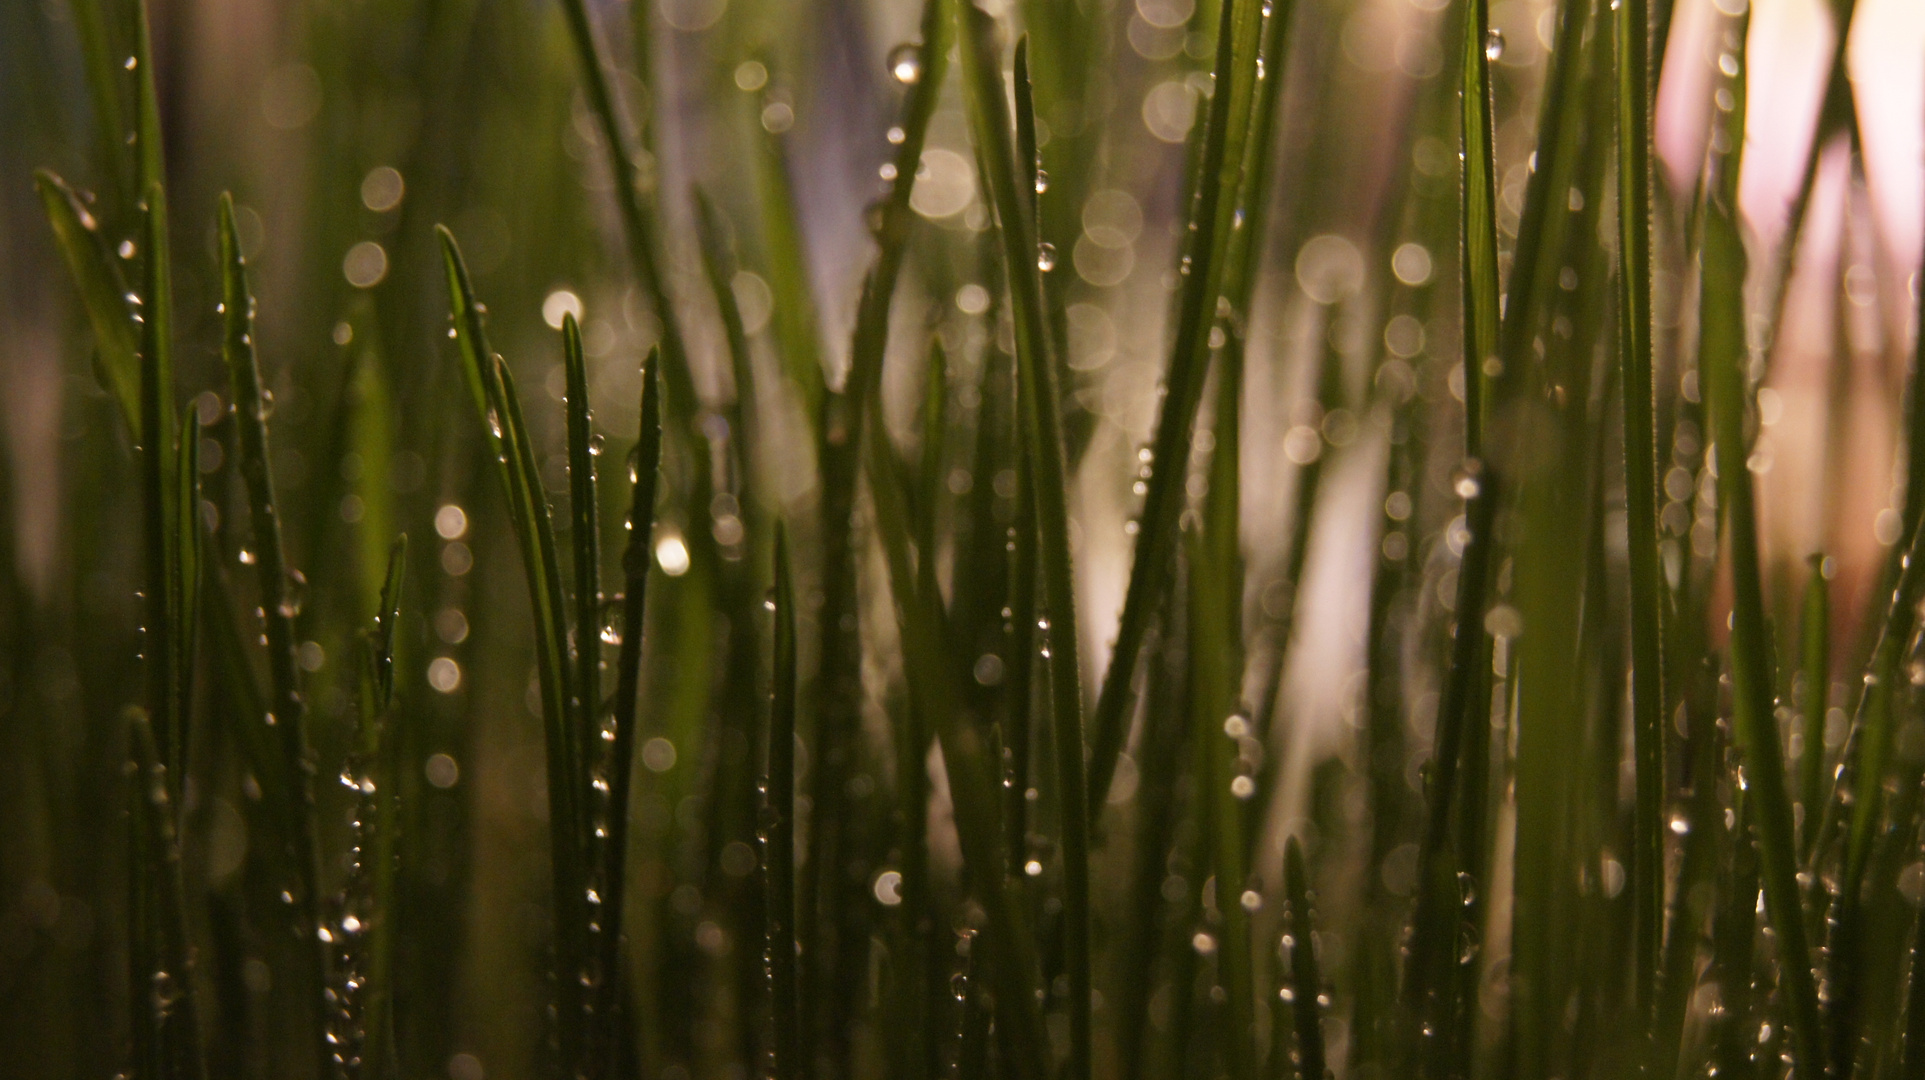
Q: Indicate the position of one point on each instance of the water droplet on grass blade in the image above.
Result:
(905, 63)
(1494, 45)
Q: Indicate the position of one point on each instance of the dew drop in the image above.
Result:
(905, 63)
(1045, 255)
(1494, 45)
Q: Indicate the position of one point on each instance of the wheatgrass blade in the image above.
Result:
(166, 1024)
(514, 456)
(972, 775)
(643, 467)
(1212, 221)
(103, 293)
(1632, 31)
(585, 536)
(778, 832)
(1218, 732)
(1304, 980)
(1724, 361)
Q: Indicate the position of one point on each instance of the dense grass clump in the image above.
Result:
(1029, 539)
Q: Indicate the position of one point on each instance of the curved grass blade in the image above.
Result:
(778, 831)
(534, 534)
(287, 711)
(643, 468)
(103, 293)
(1723, 358)
(1639, 388)
(1212, 221)
(1305, 982)
(585, 535)
(972, 776)
(166, 1027)
(638, 218)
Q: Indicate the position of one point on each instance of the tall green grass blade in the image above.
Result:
(1305, 980)
(1723, 359)
(638, 218)
(798, 337)
(186, 582)
(584, 535)
(161, 643)
(972, 775)
(1012, 184)
(643, 468)
(103, 293)
(1219, 731)
(1212, 221)
(150, 165)
(166, 1022)
(837, 700)
(1814, 696)
(1639, 388)
(1479, 222)
(286, 708)
(367, 928)
(778, 832)
(1736, 931)
(516, 466)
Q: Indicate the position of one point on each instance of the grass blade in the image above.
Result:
(1305, 981)
(1814, 694)
(1648, 685)
(643, 469)
(528, 509)
(367, 943)
(166, 1025)
(1479, 222)
(778, 831)
(1723, 358)
(585, 534)
(103, 293)
(972, 776)
(798, 338)
(1212, 221)
(286, 709)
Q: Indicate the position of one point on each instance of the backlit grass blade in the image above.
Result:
(1814, 693)
(836, 698)
(103, 293)
(1218, 734)
(1735, 935)
(1912, 1065)
(778, 832)
(972, 776)
(638, 218)
(1012, 192)
(1305, 982)
(166, 1024)
(1212, 220)
(500, 410)
(1638, 385)
(643, 467)
(367, 923)
(797, 333)
(186, 580)
(1723, 359)
(584, 535)
(287, 711)
(160, 645)
(1479, 223)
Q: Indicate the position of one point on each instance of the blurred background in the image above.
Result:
(347, 129)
